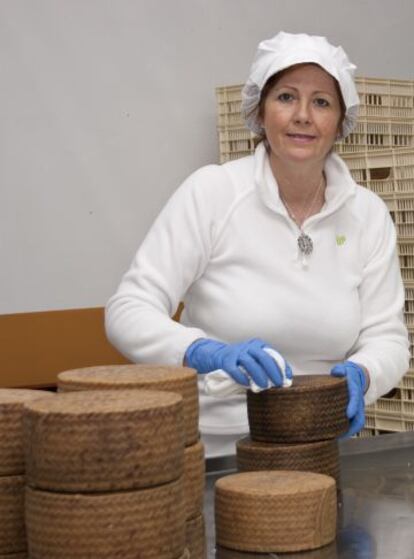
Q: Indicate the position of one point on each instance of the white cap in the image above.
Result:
(287, 49)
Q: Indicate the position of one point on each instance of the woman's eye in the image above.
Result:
(285, 97)
(320, 102)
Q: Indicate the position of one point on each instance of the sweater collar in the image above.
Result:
(339, 188)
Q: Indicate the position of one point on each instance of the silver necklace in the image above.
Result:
(305, 243)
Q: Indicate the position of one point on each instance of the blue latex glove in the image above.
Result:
(357, 381)
(207, 355)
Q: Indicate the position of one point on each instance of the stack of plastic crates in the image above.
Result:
(380, 156)
(390, 173)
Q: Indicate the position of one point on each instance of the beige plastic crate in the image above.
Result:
(369, 422)
(388, 406)
(407, 395)
(386, 98)
(386, 172)
(369, 135)
(408, 408)
(409, 305)
(406, 261)
(401, 207)
(405, 248)
(407, 384)
(229, 106)
(407, 274)
(407, 381)
(390, 423)
(235, 143)
(409, 425)
(407, 269)
(367, 432)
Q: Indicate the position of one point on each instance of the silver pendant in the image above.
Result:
(305, 244)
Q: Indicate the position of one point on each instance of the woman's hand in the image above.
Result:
(358, 380)
(240, 361)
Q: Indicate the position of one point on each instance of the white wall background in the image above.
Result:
(105, 106)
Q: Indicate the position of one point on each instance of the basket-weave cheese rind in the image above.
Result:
(275, 511)
(196, 537)
(194, 479)
(150, 377)
(312, 409)
(320, 457)
(12, 530)
(147, 523)
(326, 552)
(12, 402)
(104, 440)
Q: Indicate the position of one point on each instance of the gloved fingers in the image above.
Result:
(283, 365)
(339, 370)
(238, 375)
(354, 390)
(288, 371)
(355, 395)
(268, 365)
(356, 423)
(254, 370)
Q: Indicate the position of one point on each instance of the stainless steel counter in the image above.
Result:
(376, 508)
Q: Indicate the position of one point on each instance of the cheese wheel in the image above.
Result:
(312, 409)
(194, 479)
(146, 523)
(326, 552)
(150, 377)
(12, 530)
(104, 440)
(276, 511)
(320, 457)
(12, 402)
(196, 537)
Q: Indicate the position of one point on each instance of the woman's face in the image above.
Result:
(302, 115)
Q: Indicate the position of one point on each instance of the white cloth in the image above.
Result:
(225, 245)
(287, 49)
(220, 384)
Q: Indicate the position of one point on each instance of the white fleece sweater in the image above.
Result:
(225, 245)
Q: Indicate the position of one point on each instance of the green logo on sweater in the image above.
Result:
(340, 240)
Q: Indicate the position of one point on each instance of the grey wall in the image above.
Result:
(105, 106)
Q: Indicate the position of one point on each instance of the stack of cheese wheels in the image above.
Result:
(194, 485)
(181, 380)
(275, 511)
(105, 475)
(296, 428)
(291, 456)
(12, 469)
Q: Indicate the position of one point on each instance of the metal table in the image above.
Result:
(376, 507)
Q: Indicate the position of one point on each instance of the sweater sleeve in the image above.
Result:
(172, 256)
(382, 346)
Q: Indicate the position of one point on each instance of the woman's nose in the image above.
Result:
(302, 113)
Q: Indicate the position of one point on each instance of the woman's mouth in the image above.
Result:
(302, 138)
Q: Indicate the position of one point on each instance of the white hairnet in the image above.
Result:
(287, 49)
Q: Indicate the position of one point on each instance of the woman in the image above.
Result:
(278, 250)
